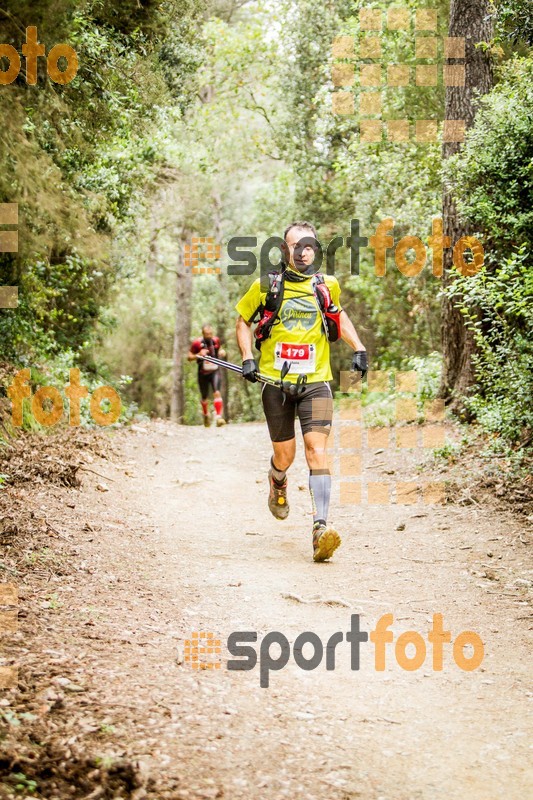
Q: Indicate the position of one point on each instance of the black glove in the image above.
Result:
(360, 362)
(249, 370)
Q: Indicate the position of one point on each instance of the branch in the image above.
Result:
(261, 109)
(167, 269)
(235, 6)
(13, 20)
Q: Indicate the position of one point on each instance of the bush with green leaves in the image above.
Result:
(492, 179)
(55, 372)
(380, 406)
(514, 21)
(82, 159)
(498, 306)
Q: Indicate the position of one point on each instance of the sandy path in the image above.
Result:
(182, 541)
(212, 559)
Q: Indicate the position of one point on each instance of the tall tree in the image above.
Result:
(221, 315)
(182, 330)
(471, 20)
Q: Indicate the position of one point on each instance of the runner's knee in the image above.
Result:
(316, 455)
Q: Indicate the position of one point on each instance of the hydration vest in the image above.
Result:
(205, 367)
(270, 309)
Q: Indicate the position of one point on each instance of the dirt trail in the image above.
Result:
(183, 542)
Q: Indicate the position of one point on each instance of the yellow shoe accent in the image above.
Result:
(326, 544)
(277, 498)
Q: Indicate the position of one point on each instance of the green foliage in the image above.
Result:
(492, 177)
(258, 147)
(215, 119)
(336, 178)
(55, 372)
(380, 406)
(428, 371)
(448, 452)
(499, 307)
(493, 182)
(81, 159)
(142, 315)
(514, 21)
(23, 785)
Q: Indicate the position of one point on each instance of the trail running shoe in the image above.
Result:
(220, 422)
(277, 498)
(325, 541)
(207, 420)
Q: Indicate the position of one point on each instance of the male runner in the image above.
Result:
(208, 374)
(298, 322)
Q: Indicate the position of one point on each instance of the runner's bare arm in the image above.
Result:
(349, 334)
(193, 356)
(244, 338)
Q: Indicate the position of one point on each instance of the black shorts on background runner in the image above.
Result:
(314, 408)
(205, 381)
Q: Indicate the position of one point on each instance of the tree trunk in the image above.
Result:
(468, 19)
(182, 332)
(221, 319)
(156, 227)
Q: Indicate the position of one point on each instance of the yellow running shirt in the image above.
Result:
(298, 334)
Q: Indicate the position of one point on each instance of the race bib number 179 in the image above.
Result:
(302, 357)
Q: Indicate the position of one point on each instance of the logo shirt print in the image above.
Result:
(298, 312)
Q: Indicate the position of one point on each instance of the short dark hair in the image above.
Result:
(305, 225)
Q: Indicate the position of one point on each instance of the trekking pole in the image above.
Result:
(235, 368)
(220, 363)
(290, 388)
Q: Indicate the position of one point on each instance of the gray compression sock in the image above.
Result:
(279, 475)
(320, 488)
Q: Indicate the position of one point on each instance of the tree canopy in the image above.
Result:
(216, 119)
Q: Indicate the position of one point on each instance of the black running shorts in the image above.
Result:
(205, 381)
(314, 408)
